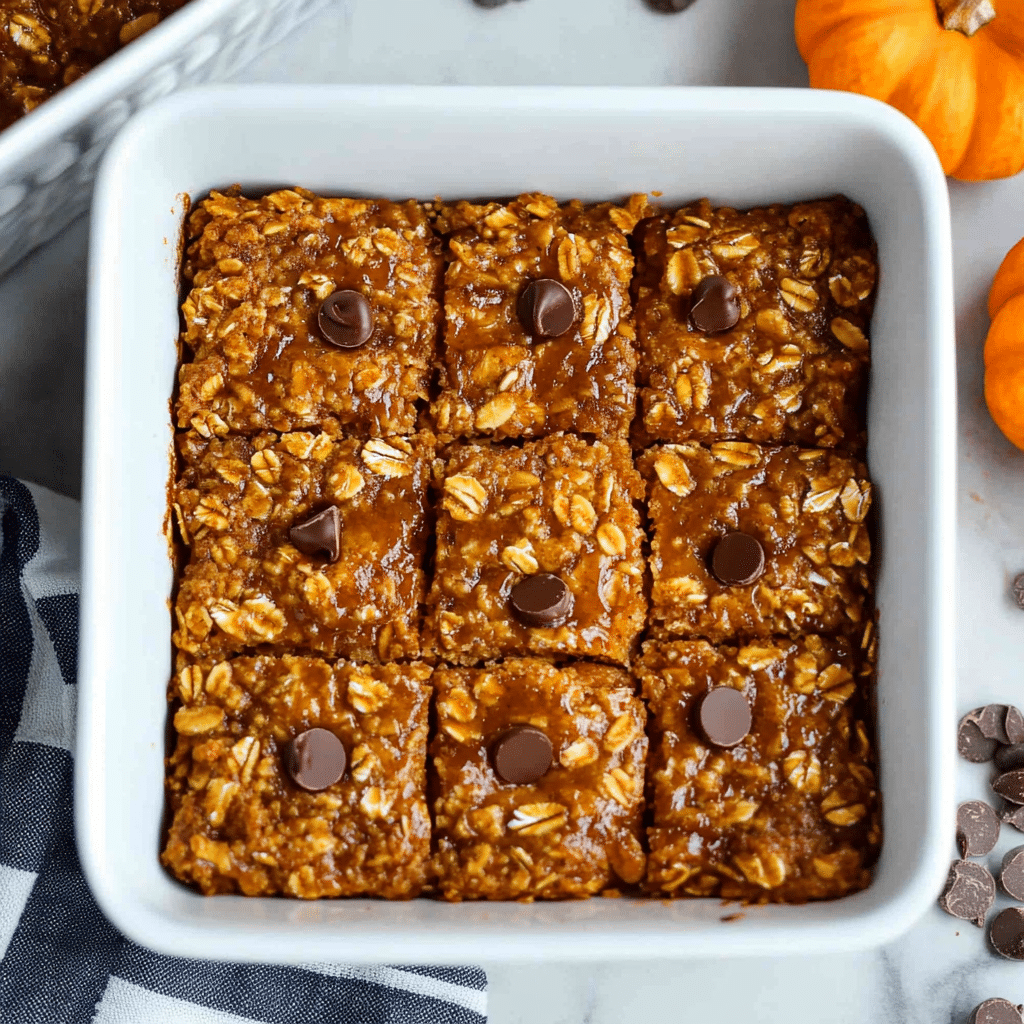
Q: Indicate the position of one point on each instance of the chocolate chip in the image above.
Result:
(991, 720)
(969, 893)
(1018, 590)
(320, 535)
(714, 305)
(1011, 873)
(1009, 758)
(315, 759)
(669, 6)
(345, 319)
(974, 739)
(997, 1011)
(546, 308)
(1013, 725)
(1010, 786)
(1007, 933)
(977, 828)
(737, 559)
(541, 600)
(1013, 816)
(723, 716)
(522, 755)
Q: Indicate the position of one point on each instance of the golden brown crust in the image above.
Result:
(791, 813)
(575, 831)
(795, 367)
(239, 822)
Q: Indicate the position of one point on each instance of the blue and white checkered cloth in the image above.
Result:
(61, 961)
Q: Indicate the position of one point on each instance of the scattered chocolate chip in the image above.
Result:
(1013, 816)
(714, 305)
(1007, 933)
(315, 759)
(541, 600)
(345, 319)
(972, 743)
(546, 308)
(723, 716)
(1013, 725)
(522, 755)
(1018, 590)
(1010, 786)
(991, 720)
(1010, 758)
(669, 6)
(977, 828)
(997, 1011)
(737, 559)
(969, 893)
(1011, 873)
(320, 535)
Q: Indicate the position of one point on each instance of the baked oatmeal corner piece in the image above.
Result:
(261, 269)
(503, 831)
(559, 507)
(240, 820)
(787, 814)
(516, 366)
(804, 509)
(251, 580)
(790, 361)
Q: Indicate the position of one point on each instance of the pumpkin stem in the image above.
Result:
(965, 16)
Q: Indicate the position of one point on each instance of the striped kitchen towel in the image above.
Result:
(61, 962)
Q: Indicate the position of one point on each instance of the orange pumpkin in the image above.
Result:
(1004, 347)
(955, 67)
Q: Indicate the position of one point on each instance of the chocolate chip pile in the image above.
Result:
(991, 733)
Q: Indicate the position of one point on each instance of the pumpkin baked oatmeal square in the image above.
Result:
(539, 551)
(538, 775)
(304, 311)
(754, 325)
(753, 541)
(293, 776)
(539, 335)
(761, 773)
(299, 541)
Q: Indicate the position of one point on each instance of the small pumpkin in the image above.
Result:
(1004, 347)
(954, 67)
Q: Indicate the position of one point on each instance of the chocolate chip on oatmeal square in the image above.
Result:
(315, 759)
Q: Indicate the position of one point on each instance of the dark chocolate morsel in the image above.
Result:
(1011, 873)
(714, 305)
(972, 743)
(1010, 786)
(541, 600)
(669, 6)
(991, 720)
(969, 893)
(1007, 933)
(723, 716)
(737, 559)
(1013, 815)
(1010, 758)
(315, 759)
(320, 535)
(522, 755)
(997, 1011)
(1013, 725)
(345, 319)
(1018, 590)
(546, 308)
(977, 828)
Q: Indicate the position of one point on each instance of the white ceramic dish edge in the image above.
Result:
(754, 145)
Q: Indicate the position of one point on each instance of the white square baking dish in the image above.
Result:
(737, 146)
(48, 160)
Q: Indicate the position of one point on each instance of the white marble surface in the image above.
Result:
(940, 968)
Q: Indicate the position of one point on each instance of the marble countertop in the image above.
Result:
(941, 968)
